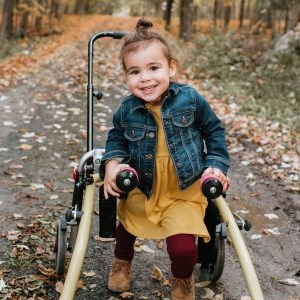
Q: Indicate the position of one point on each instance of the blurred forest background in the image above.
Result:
(247, 51)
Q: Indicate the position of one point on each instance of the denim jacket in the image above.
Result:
(194, 135)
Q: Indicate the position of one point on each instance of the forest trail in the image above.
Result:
(42, 100)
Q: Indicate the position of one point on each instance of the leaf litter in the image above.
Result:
(275, 153)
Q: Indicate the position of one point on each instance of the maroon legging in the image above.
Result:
(181, 248)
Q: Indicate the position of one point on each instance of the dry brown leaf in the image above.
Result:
(59, 286)
(101, 239)
(13, 235)
(17, 216)
(126, 295)
(80, 284)
(46, 271)
(156, 273)
(89, 274)
(25, 147)
(160, 244)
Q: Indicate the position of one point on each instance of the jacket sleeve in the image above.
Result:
(213, 133)
(116, 146)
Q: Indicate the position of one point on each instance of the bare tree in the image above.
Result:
(168, 14)
(227, 13)
(293, 14)
(241, 16)
(215, 12)
(7, 19)
(186, 19)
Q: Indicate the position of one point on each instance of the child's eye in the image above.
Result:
(133, 72)
(154, 68)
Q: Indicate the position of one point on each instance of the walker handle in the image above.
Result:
(127, 179)
(211, 186)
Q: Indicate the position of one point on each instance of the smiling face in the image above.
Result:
(148, 72)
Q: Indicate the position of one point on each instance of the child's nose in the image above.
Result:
(145, 76)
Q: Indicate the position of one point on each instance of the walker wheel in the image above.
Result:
(216, 267)
(60, 247)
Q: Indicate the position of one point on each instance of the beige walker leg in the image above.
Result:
(78, 255)
(241, 249)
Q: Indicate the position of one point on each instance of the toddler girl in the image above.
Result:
(169, 134)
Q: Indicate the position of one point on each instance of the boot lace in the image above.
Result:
(184, 285)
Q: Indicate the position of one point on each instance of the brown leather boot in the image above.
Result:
(120, 276)
(183, 289)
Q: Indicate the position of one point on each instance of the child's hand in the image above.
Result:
(112, 168)
(222, 177)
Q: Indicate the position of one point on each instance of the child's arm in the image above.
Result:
(216, 158)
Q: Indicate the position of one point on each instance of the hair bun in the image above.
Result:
(144, 23)
(142, 27)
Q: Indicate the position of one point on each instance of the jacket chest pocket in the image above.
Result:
(134, 134)
(183, 119)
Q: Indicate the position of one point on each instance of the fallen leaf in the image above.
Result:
(17, 216)
(256, 237)
(147, 249)
(271, 216)
(156, 273)
(25, 147)
(209, 294)
(46, 271)
(289, 281)
(101, 239)
(59, 286)
(13, 235)
(160, 244)
(126, 295)
(89, 274)
(2, 284)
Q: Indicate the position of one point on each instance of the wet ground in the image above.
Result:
(42, 135)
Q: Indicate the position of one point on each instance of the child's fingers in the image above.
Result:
(109, 190)
(222, 177)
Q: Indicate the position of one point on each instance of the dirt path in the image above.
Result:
(42, 136)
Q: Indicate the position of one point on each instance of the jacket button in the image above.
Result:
(149, 156)
(151, 135)
(179, 164)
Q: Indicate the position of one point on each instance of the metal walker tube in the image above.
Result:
(82, 239)
(241, 250)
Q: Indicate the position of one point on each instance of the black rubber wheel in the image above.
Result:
(217, 267)
(60, 248)
(73, 237)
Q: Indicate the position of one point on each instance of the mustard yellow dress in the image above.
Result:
(169, 211)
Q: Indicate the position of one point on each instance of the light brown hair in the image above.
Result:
(142, 37)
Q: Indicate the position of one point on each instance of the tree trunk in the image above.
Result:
(227, 13)
(241, 16)
(215, 13)
(168, 14)
(7, 19)
(293, 15)
(186, 19)
(39, 18)
(24, 24)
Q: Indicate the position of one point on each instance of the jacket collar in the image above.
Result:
(138, 103)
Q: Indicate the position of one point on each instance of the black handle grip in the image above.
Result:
(127, 180)
(211, 186)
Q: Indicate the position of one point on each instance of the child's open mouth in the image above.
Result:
(148, 89)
